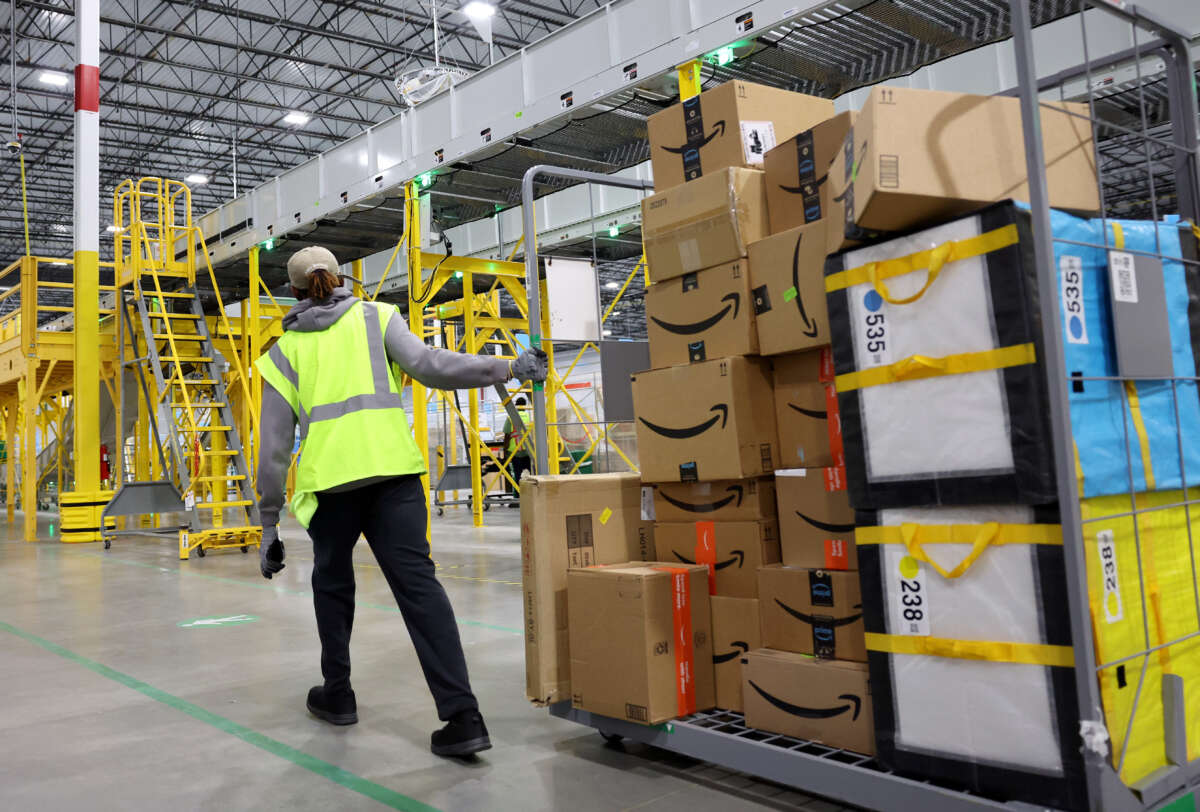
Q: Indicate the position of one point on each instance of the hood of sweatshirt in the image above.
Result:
(314, 315)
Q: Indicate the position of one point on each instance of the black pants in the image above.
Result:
(517, 466)
(391, 514)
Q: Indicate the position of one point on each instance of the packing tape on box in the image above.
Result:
(706, 551)
(681, 619)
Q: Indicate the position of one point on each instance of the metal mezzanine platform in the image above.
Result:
(580, 97)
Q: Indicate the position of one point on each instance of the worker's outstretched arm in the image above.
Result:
(445, 369)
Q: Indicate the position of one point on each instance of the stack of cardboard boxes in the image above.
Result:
(739, 434)
(716, 417)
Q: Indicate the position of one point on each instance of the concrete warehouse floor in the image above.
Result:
(108, 702)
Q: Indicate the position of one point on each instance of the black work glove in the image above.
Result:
(530, 365)
(270, 552)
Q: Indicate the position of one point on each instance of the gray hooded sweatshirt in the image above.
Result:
(435, 368)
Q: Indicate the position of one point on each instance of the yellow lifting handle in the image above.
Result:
(937, 260)
(983, 539)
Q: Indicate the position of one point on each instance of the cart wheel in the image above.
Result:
(200, 551)
(107, 544)
(612, 738)
(245, 549)
(486, 506)
(441, 512)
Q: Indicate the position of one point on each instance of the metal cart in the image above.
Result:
(1144, 115)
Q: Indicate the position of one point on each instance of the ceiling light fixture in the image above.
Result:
(612, 285)
(51, 77)
(479, 10)
(607, 332)
(196, 179)
(112, 228)
(297, 118)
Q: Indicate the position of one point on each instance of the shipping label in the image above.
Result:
(757, 138)
(911, 597)
(1070, 273)
(1106, 549)
(1124, 277)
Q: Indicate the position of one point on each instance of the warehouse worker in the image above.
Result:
(516, 448)
(360, 472)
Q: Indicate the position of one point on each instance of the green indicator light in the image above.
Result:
(725, 55)
(51, 530)
(268, 244)
(614, 231)
(425, 179)
(458, 274)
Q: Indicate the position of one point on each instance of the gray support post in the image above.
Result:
(532, 289)
(1060, 416)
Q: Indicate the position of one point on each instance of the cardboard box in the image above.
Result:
(701, 315)
(641, 641)
(732, 551)
(570, 521)
(796, 170)
(817, 612)
(787, 280)
(734, 124)
(704, 223)
(705, 421)
(806, 410)
(816, 522)
(726, 500)
(735, 628)
(918, 157)
(824, 701)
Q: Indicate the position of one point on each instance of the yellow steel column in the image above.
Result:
(416, 323)
(27, 391)
(356, 271)
(142, 451)
(452, 430)
(470, 336)
(10, 446)
(250, 444)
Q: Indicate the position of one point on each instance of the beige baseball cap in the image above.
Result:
(307, 260)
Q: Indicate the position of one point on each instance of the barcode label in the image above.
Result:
(1106, 548)
(1124, 277)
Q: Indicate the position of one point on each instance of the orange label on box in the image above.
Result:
(706, 551)
(826, 373)
(681, 616)
(834, 424)
(835, 479)
(836, 555)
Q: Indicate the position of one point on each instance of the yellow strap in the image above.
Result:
(999, 652)
(921, 366)
(1118, 236)
(962, 534)
(1139, 427)
(933, 259)
(979, 536)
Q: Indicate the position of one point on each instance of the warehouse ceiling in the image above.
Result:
(205, 87)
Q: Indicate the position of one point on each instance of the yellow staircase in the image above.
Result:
(203, 458)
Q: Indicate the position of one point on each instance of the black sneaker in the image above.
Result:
(464, 735)
(337, 709)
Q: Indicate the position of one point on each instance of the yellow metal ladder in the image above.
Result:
(190, 408)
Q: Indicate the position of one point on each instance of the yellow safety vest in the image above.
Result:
(346, 399)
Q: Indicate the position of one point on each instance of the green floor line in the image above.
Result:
(349, 780)
(280, 589)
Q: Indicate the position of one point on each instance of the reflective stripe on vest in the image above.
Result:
(382, 398)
